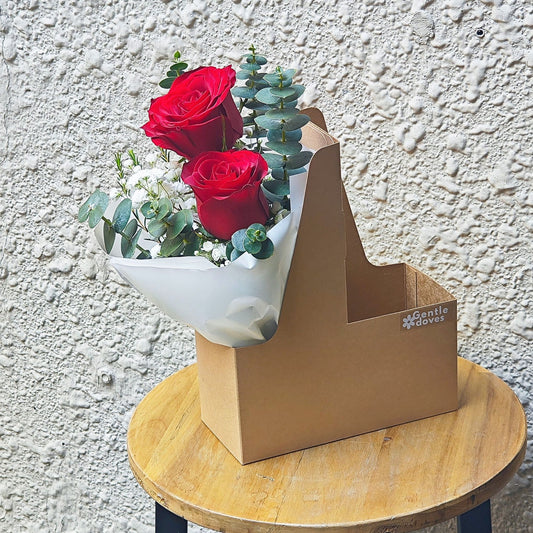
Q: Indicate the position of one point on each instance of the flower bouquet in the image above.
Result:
(206, 226)
(222, 235)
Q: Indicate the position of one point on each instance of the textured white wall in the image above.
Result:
(436, 132)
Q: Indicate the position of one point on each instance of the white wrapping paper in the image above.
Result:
(234, 305)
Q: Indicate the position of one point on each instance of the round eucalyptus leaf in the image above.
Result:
(298, 90)
(299, 160)
(252, 247)
(295, 122)
(282, 92)
(281, 114)
(128, 244)
(277, 187)
(254, 105)
(235, 254)
(166, 83)
(260, 60)
(285, 148)
(265, 96)
(164, 208)
(290, 136)
(95, 215)
(268, 123)
(156, 228)
(179, 67)
(131, 228)
(122, 215)
(147, 210)
(109, 237)
(170, 246)
(243, 75)
(243, 92)
(178, 222)
(251, 67)
(267, 249)
(237, 240)
(274, 160)
(279, 173)
(172, 74)
(272, 79)
(229, 250)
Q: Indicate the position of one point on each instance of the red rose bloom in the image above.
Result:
(196, 113)
(227, 186)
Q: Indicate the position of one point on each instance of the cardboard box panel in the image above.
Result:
(343, 361)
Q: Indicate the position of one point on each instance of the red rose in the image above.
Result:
(194, 115)
(227, 186)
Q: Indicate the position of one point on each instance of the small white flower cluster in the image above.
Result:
(156, 178)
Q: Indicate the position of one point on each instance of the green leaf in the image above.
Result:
(169, 246)
(243, 92)
(235, 254)
(282, 92)
(274, 160)
(256, 232)
(277, 187)
(237, 240)
(122, 215)
(290, 136)
(298, 91)
(299, 160)
(267, 249)
(243, 75)
(260, 60)
(109, 237)
(252, 247)
(179, 67)
(131, 228)
(279, 173)
(147, 210)
(254, 105)
(272, 79)
(250, 66)
(127, 246)
(296, 122)
(166, 83)
(229, 249)
(164, 208)
(265, 96)
(172, 74)
(98, 200)
(281, 114)
(289, 73)
(95, 215)
(156, 228)
(285, 148)
(178, 222)
(275, 81)
(192, 244)
(268, 123)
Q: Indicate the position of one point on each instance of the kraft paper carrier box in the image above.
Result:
(358, 348)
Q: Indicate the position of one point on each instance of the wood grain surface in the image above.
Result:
(398, 479)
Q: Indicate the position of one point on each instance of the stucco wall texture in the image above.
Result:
(431, 101)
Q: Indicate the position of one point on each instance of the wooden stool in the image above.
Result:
(394, 480)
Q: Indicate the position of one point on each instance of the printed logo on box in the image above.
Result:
(418, 319)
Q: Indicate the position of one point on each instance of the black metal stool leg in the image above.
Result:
(168, 522)
(476, 520)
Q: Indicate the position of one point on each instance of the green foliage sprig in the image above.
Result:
(253, 240)
(175, 70)
(254, 82)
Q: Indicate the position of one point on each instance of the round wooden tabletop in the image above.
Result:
(398, 479)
